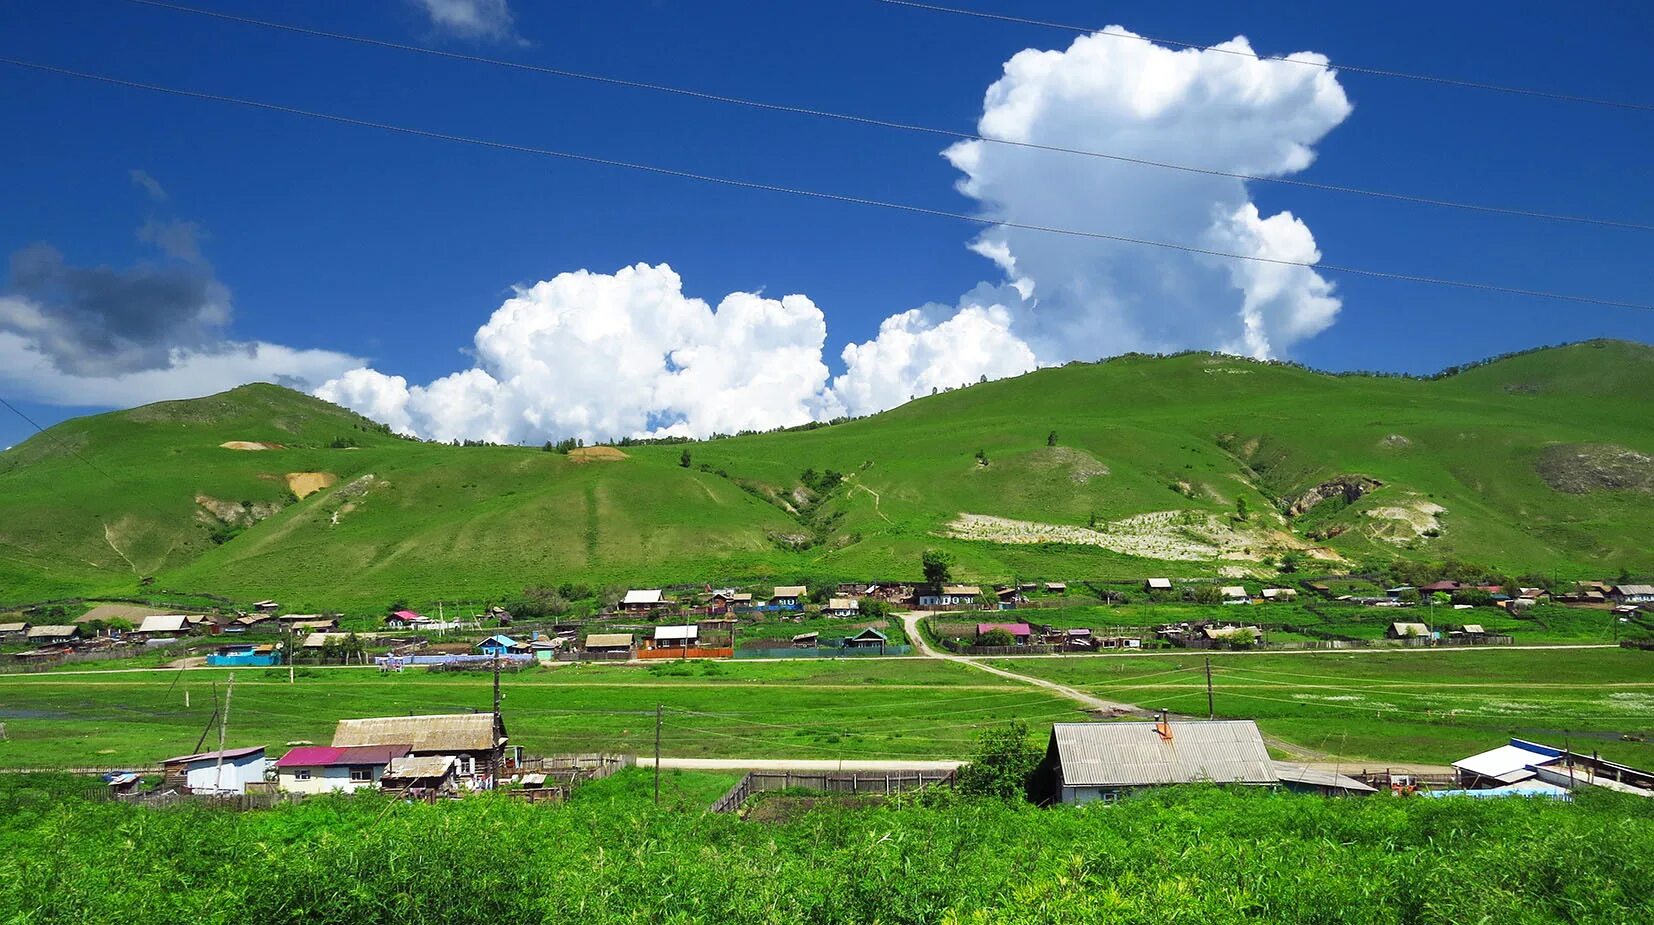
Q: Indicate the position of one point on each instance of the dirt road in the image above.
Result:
(910, 622)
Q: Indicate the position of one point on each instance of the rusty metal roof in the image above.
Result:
(1135, 754)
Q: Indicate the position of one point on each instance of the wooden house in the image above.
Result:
(789, 597)
(611, 643)
(646, 600)
(1102, 761)
(473, 740)
(843, 607)
(867, 639)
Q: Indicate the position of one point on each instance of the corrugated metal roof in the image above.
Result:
(323, 756)
(420, 767)
(1134, 754)
(458, 732)
(13, 627)
(1509, 763)
(609, 639)
(230, 754)
(1317, 777)
(687, 631)
(1015, 629)
(1635, 589)
(163, 623)
(52, 632)
(651, 596)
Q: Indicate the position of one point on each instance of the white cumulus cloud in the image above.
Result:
(472, 19)
(601, 355)
(1086, 298)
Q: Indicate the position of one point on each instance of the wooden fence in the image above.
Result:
(874, 782)
(14, 665)
(696, 652)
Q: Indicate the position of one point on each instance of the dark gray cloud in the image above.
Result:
(103, 321)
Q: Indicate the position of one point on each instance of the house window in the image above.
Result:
(301, 774)
(361, 775)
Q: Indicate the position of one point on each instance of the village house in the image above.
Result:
(1157, 584)
(319, 641)
(1520, 763)
(868, 638)
(676, 637)
(500, 646)
(1019, 632)
(265, 606)
(13, 630)
(545, 650)
(643, 601)
(1442, 587)
(1056, 587)
(250, 622)
(1010, 597)
(1234, 594)
(314, 625)
(227, 771)
(1400, 630)
(948, 596)
(806, 640)
(1231, 636)
(789, 597)
(421, 775)
(42, 635)
(406, 619)
(163, 625)
(1101, 761)
(1632, 594)
(474, 740)
(843, 607)
(610, 643)
(729, 600)
(1279, 595)
(325, 769)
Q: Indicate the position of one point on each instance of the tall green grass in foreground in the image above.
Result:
(1196, 855)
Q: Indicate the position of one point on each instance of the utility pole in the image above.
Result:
(499, 750)
(287, 653)
(223, 727)
(657, 753)
(1210, 712)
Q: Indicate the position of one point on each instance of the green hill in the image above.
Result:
(1542, 462)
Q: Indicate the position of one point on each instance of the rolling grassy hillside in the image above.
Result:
(1542, 462)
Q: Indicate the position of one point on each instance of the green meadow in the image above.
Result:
(1533, 464)
(1425, 706)
(1404, 706)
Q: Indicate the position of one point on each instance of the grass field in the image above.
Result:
(1409, 706)
(1403, 706)
(1178, 855)
(1538, 463)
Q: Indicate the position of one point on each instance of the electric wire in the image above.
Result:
(882, 123)
(909, 208)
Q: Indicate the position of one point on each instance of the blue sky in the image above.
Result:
(394, 250)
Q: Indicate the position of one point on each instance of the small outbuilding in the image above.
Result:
(227, 771)
(1157, 584)
(843, 607)
(1400, 630)
(420, 775)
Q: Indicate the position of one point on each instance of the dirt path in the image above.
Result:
(1094, 705)
(876, 501)
(910, 622)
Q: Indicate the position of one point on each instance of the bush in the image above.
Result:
(996, 637)
(1003, 763)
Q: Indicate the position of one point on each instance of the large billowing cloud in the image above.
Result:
(602, 356)
(608, 355)
(1222, 111)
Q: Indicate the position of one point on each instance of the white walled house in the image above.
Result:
(326, 769)
(229, 771)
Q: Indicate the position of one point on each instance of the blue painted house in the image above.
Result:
(500, 645)
(244, 656)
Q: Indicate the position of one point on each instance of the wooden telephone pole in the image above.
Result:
(223, 727)
(499, 748)
(657, 754)
(1210, 712)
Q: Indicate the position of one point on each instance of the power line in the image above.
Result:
(72, 451)
(830, 197)
(889, 123)
(1328, 65)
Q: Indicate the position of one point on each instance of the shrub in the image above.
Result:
(1003, 763)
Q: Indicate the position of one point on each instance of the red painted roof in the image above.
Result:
(408, 615)
(1015, 629)
(322, 756)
